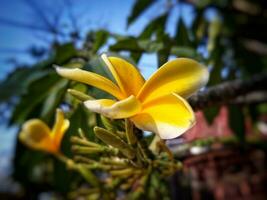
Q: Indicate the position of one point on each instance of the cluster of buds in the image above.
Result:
(129, 165)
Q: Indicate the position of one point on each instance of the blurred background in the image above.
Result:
(228, 36)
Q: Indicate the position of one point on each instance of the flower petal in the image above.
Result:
(36, 134)
(92, 79)
(126, 75)
(182, 76)
(168, 116)
(115, 110)
(59, 128)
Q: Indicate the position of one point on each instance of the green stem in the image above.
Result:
(87, 150)
(79, 141)
(164, 147)
(125, 172)
(129, 128)
(79, 95)
(115, 162)
(143, 152)
(86, 173)
(69, 162)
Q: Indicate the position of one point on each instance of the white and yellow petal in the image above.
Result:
(126, 75)
(92, 79)
(36, 134)
(168, 116)
(115, 109)
(182, 75)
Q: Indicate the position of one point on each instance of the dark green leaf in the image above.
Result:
(53, 100)
(129, 44)
(184, 51)
(24, 162)
(17, 82)
(210, 113)
(62, 177)
(157, 25)
(136, 56)
(64, 52)
(215, 73)
(182, 34)
(139, 7)
(100, 39)
(237, 121)
(37, 92)
(150, 46)
(163, 54)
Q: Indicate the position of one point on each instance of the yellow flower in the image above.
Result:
(37, 135)
(156, 105)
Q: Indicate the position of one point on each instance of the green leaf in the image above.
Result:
(110, 138)
(62, 177)
(210, 113)
(100, 39)
(79, 119)
(262, 108)
(16, 82)
(184, 51)
(237, 121)
(163, 54)
(129, 44)
(157, 25)
(199, 27)
(217, 63)
(31, 101)
(57, 92)
(64, 52)
(139, 7)
(136, 56)
(150, 46)
(214, 31)
(24, 163)
(182, 34)
(162, 57)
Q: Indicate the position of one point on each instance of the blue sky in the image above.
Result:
(108, 14)
(97, 13)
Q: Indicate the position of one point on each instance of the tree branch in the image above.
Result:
(25, 25)
(231, 92)
(255, 97)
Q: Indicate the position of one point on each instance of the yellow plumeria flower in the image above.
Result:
(37, 135)
(157, 105)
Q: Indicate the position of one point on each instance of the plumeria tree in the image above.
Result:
(108, 140)
(157, 105)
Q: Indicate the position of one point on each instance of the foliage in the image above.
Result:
(233, 44)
